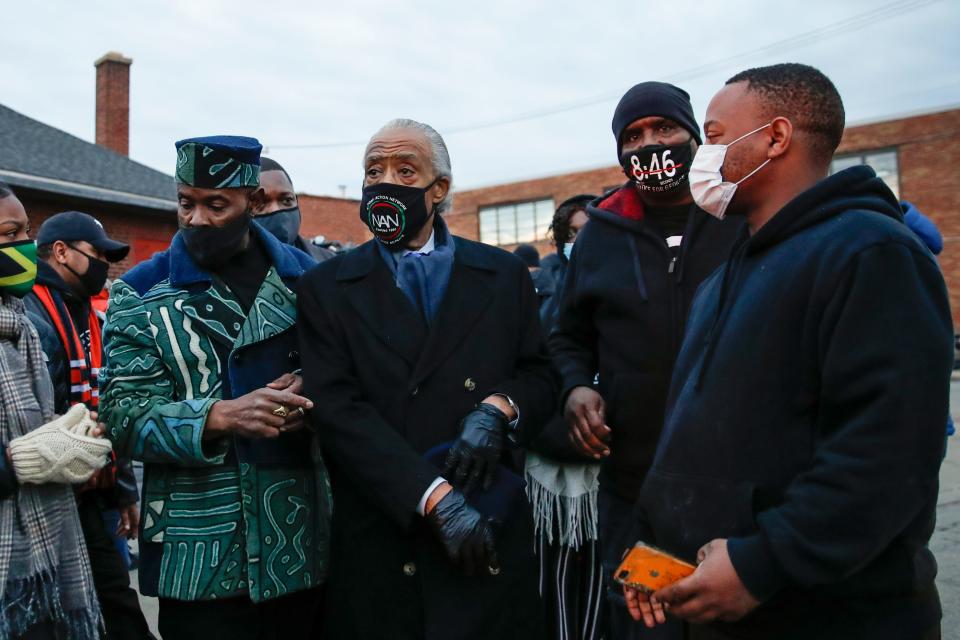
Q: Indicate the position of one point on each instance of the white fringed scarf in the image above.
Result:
(564, 499)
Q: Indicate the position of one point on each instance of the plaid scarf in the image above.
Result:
(44, 568)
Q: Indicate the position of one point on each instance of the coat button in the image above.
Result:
(236, 357)
(409, 569)
(415, 392)
(469, 384)
(293, 355)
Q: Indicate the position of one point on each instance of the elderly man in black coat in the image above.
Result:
(423, 354)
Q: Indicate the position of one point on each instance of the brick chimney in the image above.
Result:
(113, 102)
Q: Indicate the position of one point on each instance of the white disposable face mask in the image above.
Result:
(707, 186)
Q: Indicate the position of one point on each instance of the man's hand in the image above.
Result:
(293, 383)
(473, 458)
(585, 415)
(255, 415)
(713, 592)
(466, 534)
(129, 521)
(644, 607)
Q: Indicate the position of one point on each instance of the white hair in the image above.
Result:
(440, 156)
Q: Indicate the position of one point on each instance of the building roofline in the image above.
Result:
(543, 176)
(89, 144)
(64, 187)
(326, 197)
(913, 113)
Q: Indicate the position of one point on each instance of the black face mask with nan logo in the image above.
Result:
(394, 213)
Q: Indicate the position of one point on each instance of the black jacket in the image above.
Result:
(125, 491)
(805, 420)
(622, 314)
(57, 361)
(386, 391)
(554, 270)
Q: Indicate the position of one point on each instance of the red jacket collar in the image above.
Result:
(624, 202)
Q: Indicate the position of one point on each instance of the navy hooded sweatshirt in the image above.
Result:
(805, 419)
(624, 303)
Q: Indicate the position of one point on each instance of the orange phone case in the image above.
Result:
(647, 568)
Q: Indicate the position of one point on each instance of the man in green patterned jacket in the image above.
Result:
(201, 382)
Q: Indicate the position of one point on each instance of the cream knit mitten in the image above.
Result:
(60, 451)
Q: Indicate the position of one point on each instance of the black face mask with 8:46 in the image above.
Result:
(658, 168)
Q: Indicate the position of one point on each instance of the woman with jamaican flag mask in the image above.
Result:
(46, 590)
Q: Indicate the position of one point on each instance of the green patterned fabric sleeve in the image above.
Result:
(146, 415)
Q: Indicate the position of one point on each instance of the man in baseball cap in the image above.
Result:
(74, 254)
(75, 227)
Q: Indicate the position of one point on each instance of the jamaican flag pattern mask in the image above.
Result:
(199, 165)
(18, 267)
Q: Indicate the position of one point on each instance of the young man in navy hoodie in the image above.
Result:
(804, 430)
(631, 277)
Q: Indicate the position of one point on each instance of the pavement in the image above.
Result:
(946, 537)
(945, 542)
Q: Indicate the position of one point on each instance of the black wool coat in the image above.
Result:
(388, 389)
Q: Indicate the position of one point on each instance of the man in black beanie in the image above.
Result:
(631, 278)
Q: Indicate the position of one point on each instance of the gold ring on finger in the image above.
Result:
(301, 411)
(281, 411)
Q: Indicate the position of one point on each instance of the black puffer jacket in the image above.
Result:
(622, 314)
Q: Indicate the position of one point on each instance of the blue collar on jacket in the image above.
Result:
(184, 271)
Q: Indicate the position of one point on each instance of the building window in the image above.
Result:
(515, 223)
(883, 162)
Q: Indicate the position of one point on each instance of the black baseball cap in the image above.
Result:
(73, 226)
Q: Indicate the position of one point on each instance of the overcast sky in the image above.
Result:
(326, 73)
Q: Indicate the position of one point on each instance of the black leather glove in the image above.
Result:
(466, 534)
(475, 455)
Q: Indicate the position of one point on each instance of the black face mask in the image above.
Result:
(658, 168)
(395, 213)
(283, 224)
(93, 279)
(211, 247)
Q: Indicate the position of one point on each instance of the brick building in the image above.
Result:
(53, 171)
(508, 214)
(918, 155)
(333, 218)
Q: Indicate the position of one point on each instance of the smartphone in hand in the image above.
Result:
(648, 569)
